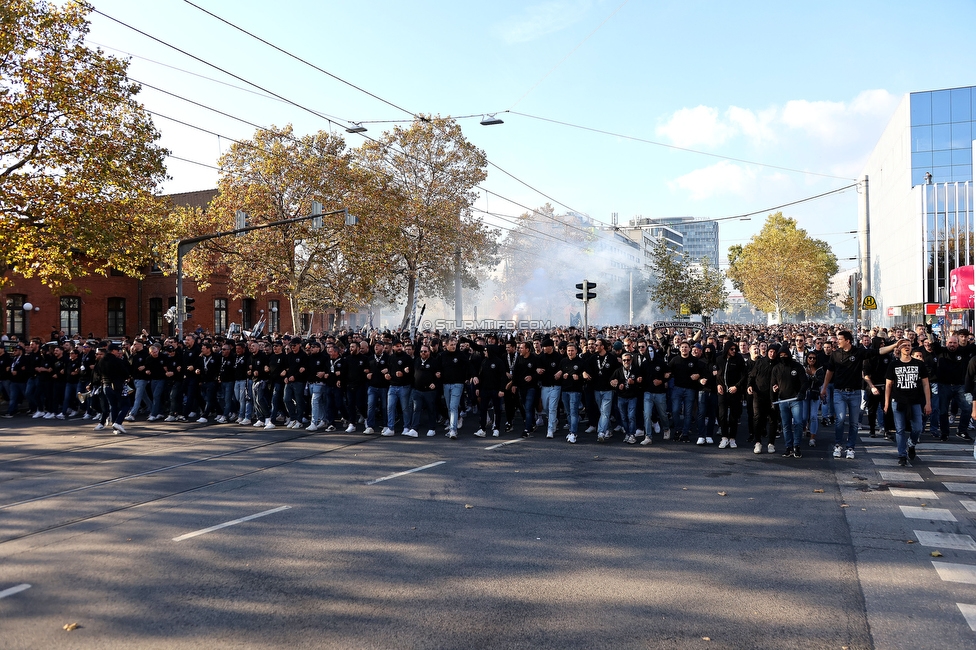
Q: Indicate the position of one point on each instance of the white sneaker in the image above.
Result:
(657, 427)
(850, 454)
(269, 425)
(724, 443)
(192, 415)
(550, 434)
(369, 431)
(709, 441)
(538, 421)
(130, 418)
(813, 442)
(72, 413)
(387, 431)
(571, 437)
(288, 423)
(431, 433)
(590, 429)
(639, 433)
(732, 444)
(460, 422)
(566, 427)
(245, 422)
(85, 417)
(60, 416)
(452, 435)
(771, 448)
(49, 416)
(480, 433)
(701, 441)
(601, 437)
(411, 433)
(119, 428)
(297, 424)
(618, 429)
(351, 428)
(838, 451)
(202, 420)
(631, 440)
(312, 427)
(667, 435)
(170, 418)
(758, 448)
(646, 441)
(331, 427)
(221, 419)
(99, 426)
(37, 414)
(153, 418)
(258, 424)
(494, 433)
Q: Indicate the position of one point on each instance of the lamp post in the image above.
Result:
(184, 246)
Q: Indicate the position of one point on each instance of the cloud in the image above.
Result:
(692, 127)
(721, 178)
(541, 19)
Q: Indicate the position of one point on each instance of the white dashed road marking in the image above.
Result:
(956, 572)
(960, 487)
(409, 471)
(968, 505)
(14, 590)
(230, 523)
(937, 514)
(946, 540)
(908, 477)
(969, 611)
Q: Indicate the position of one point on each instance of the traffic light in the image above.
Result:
(188, 306)
(586, 295)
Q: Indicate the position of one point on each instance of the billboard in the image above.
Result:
(961, 288)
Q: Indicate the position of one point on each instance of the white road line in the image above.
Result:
(936, 514)
(960, 487)
(885, 462)
(913, 494)
(946, 540)
(961, 458)
(229, 523)
(950, 572)
(952, 471)
(910, 477)
(14, 590)
(409, 471)
(968, 504)
(502, 444)
(969, 611)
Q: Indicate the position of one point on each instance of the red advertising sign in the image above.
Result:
(961, 288)
(934, 309)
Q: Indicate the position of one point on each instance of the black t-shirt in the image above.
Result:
(847, 366)
(907, 377)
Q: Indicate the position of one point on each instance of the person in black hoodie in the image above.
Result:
(875, 370)
(732, 381)
(624, 382)
(424, 394)
(489, 382)
(760, 388)
(789, 386)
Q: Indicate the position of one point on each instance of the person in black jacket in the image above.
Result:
(599, 370)
(489, 381)
(377, 374)
(731, 383)
(624, 382)
(113, 372)
(572, 389)
(226, 378)
(424, 395)
(789, 386)
(760, 388)
(686, 371)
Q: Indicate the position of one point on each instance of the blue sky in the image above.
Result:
(803, 86)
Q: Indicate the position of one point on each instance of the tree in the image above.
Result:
(782, 269)
(78, 159)
(277, 176)
(428, 172)
(678, 281)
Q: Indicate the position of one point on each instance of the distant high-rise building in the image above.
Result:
(699, 236)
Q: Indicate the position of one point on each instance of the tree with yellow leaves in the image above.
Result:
(782, 269)
(78, 159)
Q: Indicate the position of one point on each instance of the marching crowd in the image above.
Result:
(682, 383)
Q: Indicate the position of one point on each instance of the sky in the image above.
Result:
(780, 101)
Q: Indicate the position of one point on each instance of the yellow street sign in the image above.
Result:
(869, 303)
(685, 310)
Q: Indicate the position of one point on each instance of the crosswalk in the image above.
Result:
(952, 467)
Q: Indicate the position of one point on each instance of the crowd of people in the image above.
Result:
(681, 383)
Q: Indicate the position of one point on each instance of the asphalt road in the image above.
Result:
(532, 544)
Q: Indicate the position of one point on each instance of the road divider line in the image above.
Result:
(229, 523)
(969, 611)
(409, 471)
(14, 590)
(502, 444)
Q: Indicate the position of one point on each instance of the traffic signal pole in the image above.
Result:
(586, 297)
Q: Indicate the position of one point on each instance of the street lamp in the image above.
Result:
(491, 120)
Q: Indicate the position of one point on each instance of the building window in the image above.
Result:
(15, 316)
(306, 322)
(155, 316)
(247, 313)
(116, 317)
(220, 315)
(71, 315)
(274, 316)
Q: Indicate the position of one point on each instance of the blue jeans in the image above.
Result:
(550, 405)
(528, 395)
(375, 401)
(401, 395)
(142, 396)
(655, 402)
(707, 413)
(242, 393)
(157, 387)
(604, 401)
(912, 412)
(847, 410)
(947, 394)
(295, 400)
(571, 403)
(628, 412)
(318, 402)
(452, 396)
(828, 407)
(17, 391)
(791, 413)
(933, 418)
(811, 414)
(226, 391)
(682, 401)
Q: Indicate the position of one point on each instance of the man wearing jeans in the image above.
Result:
(906, 391)
(686, 371)
(525, 383)
(550, 361)
(844, 369)
(600, 368)
(572, 389)
(455, 371)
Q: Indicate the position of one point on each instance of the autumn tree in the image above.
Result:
(782, 269)
(276, 176)
(78, 159)
(678, 280)
(429, 171)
